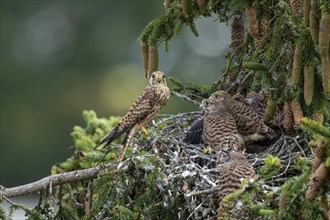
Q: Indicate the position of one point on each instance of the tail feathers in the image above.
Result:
(113, 135)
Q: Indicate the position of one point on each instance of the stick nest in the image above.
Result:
(191, 172)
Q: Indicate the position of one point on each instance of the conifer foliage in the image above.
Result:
(279, 47)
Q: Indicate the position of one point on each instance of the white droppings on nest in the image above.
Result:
(238, 205)
(187, 173)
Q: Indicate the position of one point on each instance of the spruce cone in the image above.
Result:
(324, 40)
(314, 27)
(324, 35)
(252, 22)
(312, 190)
(153, 59)
(325, 66)
(319, 155)
(315, 8)
(318, 116)
(316, 163)
(306, 12)
(144, 56)
(297, 67)
(308, 83)
(321, 173)
(288, 121)
(270, 111)
(320, 150)
(237, 32)
(187, 7)
(317, 180)
(263, 26)
(297, 111)
(295, 6)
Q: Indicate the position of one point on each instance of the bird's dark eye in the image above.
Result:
(153, 75)
(215, 96)
(206, 103)
(163, 76)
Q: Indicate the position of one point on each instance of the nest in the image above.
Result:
(191, 171)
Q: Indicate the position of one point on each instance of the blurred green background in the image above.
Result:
(59, 58)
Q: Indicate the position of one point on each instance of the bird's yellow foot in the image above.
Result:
(206, 150)
(144, 131)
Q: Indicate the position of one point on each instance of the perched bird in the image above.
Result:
(257, 102)
(219, 128)
(143, 109)
(247, 121)
(239, 97)
(231, 175)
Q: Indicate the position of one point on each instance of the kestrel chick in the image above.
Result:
(257, 103)
(143, 109)
(247, 121)
(195, 132)
(219, 128)
(231, 174)
(239, 97)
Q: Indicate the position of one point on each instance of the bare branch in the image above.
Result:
(207, 191)
(184, 97)
(57, 179)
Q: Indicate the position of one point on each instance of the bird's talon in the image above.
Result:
(144, 131)
(206, 150)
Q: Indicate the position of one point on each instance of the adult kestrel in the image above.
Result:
(247, 121)
(219, 128)
(143, 109)
(231, 175)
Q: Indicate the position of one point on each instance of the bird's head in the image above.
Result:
(214, 104)
(221, 96)
(209, 105)
(205, 103)
(235, 155)
(157, 78)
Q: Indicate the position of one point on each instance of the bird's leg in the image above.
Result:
(144, 130)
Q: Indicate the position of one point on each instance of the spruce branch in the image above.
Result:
(316, 127)
(54, 180)
(186, 98)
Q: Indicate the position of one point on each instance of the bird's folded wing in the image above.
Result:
(142, 107)
(194, 134)
(138, 112)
